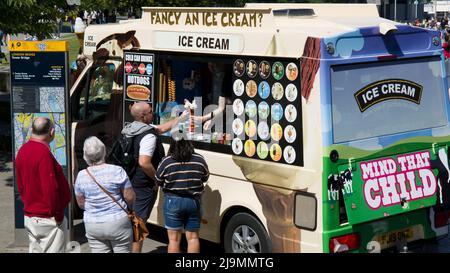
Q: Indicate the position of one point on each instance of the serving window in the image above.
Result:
(261, 113)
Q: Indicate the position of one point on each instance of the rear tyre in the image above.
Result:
(245, 234)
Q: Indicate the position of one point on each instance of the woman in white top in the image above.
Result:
(108, 228)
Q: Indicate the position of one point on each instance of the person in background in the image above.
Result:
(108, 228)
(221, 92)
(182, 175)
(44, 190)
(445, 45)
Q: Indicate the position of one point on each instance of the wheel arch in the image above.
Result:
(230, 212)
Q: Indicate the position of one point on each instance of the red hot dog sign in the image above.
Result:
(388, 182)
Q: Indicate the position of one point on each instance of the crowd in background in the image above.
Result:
(442, 26)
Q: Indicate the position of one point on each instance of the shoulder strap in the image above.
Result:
(106, 191)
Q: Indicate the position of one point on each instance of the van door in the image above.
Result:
(97, 110)
(389, 185)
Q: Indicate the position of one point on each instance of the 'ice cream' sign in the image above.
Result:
(386, 90)
(388, 182)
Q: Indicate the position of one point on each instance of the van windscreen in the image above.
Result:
(384, 98)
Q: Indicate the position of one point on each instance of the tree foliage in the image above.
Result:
(35, 17)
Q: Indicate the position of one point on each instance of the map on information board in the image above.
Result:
(51, 99)
(22, 133)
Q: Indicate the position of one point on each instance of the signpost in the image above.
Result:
(415, 5)
(39, 88)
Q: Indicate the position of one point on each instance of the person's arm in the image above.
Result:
(80, 201)
(217, 111)
(163, 128)
(79, 193)
(146, 148)
(159, 177)
(145, 162)
(208, 119)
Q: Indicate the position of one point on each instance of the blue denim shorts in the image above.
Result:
(182, 212)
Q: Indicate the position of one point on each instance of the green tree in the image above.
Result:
(30, 16)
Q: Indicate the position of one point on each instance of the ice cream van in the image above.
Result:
(335, 135)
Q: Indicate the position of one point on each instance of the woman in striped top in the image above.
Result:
(181, 175)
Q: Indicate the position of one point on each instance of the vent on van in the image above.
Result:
(294, 12)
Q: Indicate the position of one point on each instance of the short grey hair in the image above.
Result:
(94, 151)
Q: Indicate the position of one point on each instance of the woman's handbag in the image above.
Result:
(140, 231)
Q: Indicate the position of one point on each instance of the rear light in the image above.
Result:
(387, 57)
(441, 219)
(344, 243)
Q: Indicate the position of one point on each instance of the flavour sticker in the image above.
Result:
(263, 90)
(249, 148)
(276, 132)
(275, 152)
(238, 67)
(238, 107)
(290, 134)
(238, 126)
(263, 110)
(291, 71)
(262, 150)
(289, 154)
(251, 89)
(278, 70)
(263, 130)
(291, 92)
(276, 111)
(264, 69)
(250, 109)
(290, 113)
(251, 69)
(277, 91)
(238, 87)
(237, 146)
(250, 128)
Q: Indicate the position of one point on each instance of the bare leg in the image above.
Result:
(174, 241)
(193, 242)
(136, 247)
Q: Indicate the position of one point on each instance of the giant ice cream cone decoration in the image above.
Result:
(79, 30)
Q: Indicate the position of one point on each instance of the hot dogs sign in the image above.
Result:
(138, 76)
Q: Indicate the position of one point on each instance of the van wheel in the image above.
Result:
(245, 234)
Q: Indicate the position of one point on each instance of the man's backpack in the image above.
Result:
(122, 154)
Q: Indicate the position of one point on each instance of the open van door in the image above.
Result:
(96, 110)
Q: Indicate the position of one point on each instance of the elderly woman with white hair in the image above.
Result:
(108, 228)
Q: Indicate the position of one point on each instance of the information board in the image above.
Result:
(39, 88)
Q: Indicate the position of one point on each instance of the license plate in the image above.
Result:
(390, 239)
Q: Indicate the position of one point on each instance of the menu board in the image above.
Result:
(39, 74)
(267, 108)
(138, 79)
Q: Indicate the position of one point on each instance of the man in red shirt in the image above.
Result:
(44, 190)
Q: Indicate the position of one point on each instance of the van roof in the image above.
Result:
(256, 29)
(314, 20)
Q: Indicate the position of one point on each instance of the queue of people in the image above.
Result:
(103, 190)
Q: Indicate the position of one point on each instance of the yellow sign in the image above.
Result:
(38, 46)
